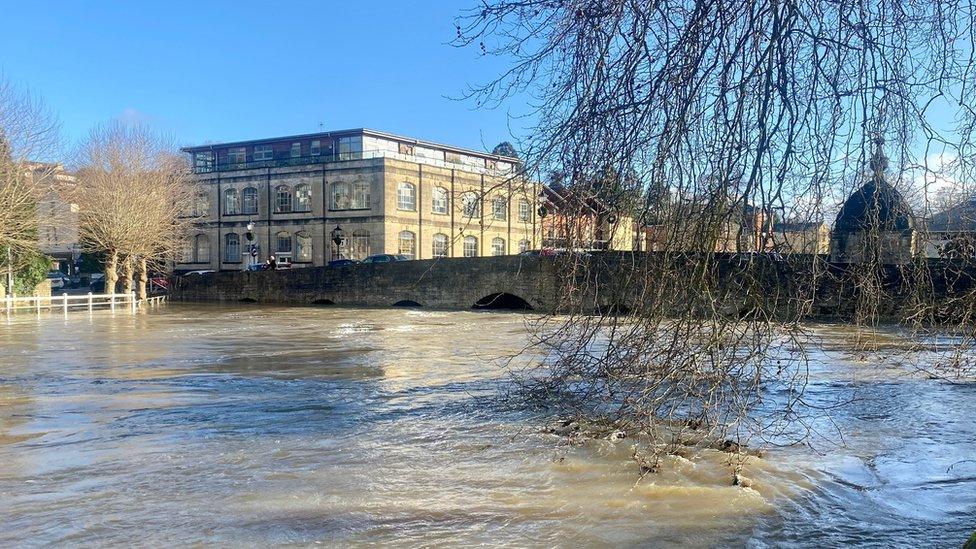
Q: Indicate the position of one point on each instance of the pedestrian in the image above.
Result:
(272, 264)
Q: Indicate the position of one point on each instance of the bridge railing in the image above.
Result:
(89, 302)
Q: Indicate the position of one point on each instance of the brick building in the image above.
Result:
(382, 193)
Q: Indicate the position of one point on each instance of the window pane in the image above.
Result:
(498, 246)
(232, 247)
(340, 196)
(303, 198)
(263, 152)
(201, 249)
(525, 211)
(296, 150)
(316, 148)
(232, 205)
(283, 199)
(439, 200)
(407, 244)
(470, 246)
(406, 197)
(499, 209)
(469, 205)
(358, 247)
(250, 200)
(440, 245)
(360, 197)
(523, 245)
(284, 243)
(303, 244)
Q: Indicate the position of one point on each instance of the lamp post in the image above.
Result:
(337, 239)
(251, 251)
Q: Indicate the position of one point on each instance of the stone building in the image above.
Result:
(57, 216)
(875, 224)
(570, 220)
(375, 192)
(801, 238)
(951, 233)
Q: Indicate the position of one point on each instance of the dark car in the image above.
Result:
(385, 258)
(342, 262)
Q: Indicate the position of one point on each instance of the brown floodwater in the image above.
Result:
(256, 426)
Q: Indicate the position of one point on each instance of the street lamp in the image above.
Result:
(251, 251)
(337, 238)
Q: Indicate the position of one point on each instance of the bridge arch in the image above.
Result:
(502, 301)
(407, 303)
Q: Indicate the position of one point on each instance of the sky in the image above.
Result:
(234, 70)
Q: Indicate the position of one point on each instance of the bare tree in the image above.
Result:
(133, 192)
(28, 131)
(739, 112)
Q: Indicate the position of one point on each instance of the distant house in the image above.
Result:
(707, 227)
(571, 219)
(952, 232)
(57, 216)
(875, 224)
(801, 238)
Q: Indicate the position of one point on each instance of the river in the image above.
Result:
(255, 426)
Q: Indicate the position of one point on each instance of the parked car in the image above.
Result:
(385, 258)
(342, 262)
(257, 267)
(97, 283)
(58, 280)
(200, 272)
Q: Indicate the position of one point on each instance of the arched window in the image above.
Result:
(407, 244)
(438, 200)
(284, 242)
(524, 211)
(282, 199)
(360, 195)
(250, 200)
(303, 247)
(406, 197)
(470, 246)
(498, 246)
(201, 205)
(499, 208)
(359, 245)
(440, 245)
(303, 198)
(201, 249)
(232, 247)
(524, 245)
(470, 205)
(232, 202)
(341, 199)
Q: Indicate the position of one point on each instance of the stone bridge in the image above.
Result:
(733, 284)
(506, 282)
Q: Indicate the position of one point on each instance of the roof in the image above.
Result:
(958, 218)
(349, 132)
(875, 203)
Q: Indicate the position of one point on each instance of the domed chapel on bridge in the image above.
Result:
(875, 224)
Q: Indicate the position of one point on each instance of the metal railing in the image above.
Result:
(337, 157)
(89, 302)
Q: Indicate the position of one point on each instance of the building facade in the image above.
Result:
(57, 216)
(370, 191)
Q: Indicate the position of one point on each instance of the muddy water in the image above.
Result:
(248, 426)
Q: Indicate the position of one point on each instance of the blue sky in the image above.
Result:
(221, 71)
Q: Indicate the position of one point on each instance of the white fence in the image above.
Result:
(89, 302)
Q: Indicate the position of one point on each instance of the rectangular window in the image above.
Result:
(316, 148)
(350, 148)
(237, 155)
(525, 211)
(296, 150)
(203, 161)
(263, 152)
(499, 209)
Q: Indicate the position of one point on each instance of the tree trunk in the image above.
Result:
(111, 272)
(127, 276)
(141, 279)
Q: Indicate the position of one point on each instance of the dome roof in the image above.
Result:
(876, 204)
